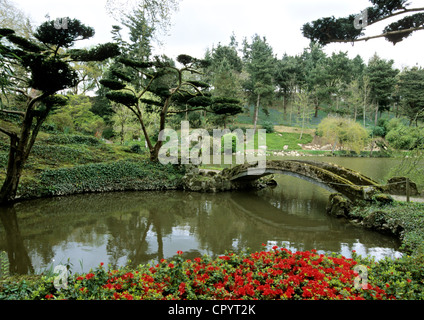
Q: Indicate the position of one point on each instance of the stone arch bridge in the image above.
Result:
(337, 179)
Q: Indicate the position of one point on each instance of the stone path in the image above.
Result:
(412, 199)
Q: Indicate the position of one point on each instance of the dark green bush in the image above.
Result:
(268, 126)
(103, 177)
(406, 138)
(73, 139)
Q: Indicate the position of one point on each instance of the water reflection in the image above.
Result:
(144, 226)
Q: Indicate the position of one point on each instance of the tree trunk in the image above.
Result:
(256, 113)
(20, 147)
(13, 173)
(18, 153)
(376, 115)
(316, 108)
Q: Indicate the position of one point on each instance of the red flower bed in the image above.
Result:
(276, 274)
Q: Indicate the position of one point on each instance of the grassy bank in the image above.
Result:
(402, 219)
(71, 164)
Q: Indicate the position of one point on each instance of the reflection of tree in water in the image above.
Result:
(19, 261)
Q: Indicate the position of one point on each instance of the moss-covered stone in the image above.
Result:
(338, 206)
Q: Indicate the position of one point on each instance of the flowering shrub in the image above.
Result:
(265, 275)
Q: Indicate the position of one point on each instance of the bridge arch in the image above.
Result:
(334, 178)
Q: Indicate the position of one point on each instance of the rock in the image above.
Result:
(338, 205)
(397, 186)
(383, 198)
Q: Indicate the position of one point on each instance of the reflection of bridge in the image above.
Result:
(334, 178)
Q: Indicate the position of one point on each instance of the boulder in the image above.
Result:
(338, 206)
(397, 186)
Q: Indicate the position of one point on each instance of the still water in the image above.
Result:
(140, 227)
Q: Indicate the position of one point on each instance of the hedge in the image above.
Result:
(124, 175)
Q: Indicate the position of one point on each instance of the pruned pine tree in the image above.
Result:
(168, 90)
(47, 64)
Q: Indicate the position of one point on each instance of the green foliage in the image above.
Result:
(103, 177)
(112, 84)
(124, 98)
(331, 29)
(99, 53)
(406, 138)
(411, 90)
(268, 126)
(382, 78)
(47, 33)
(4, 264)
(234, 142)
(72, 139)
(404, 218)
(343, 132)
(76, 115)
(410, 22)
(266, 275)
(326, 30)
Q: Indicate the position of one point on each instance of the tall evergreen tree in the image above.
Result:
(317, 77)
(382, 77)
(260, 63)
(288, 76)
(411, 91)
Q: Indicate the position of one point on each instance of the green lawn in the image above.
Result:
(276, 141)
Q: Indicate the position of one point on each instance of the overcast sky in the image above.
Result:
(200, 24)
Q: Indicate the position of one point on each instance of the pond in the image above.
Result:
(141, 227)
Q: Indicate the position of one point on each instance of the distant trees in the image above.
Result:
(224, 75)
(259, 62)
(382, 79)
(411, 91)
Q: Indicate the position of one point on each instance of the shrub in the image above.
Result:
(264, 275)
(268, 126)
(344, 132)
(73, 139)
(406, 138)
(234, 141)
(103, 177)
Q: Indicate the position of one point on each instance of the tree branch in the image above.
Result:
(396, 14)
(378, 36)
(189, 110)
(7, 132)
(20, 113)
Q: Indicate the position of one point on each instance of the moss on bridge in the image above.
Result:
(353, 185)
